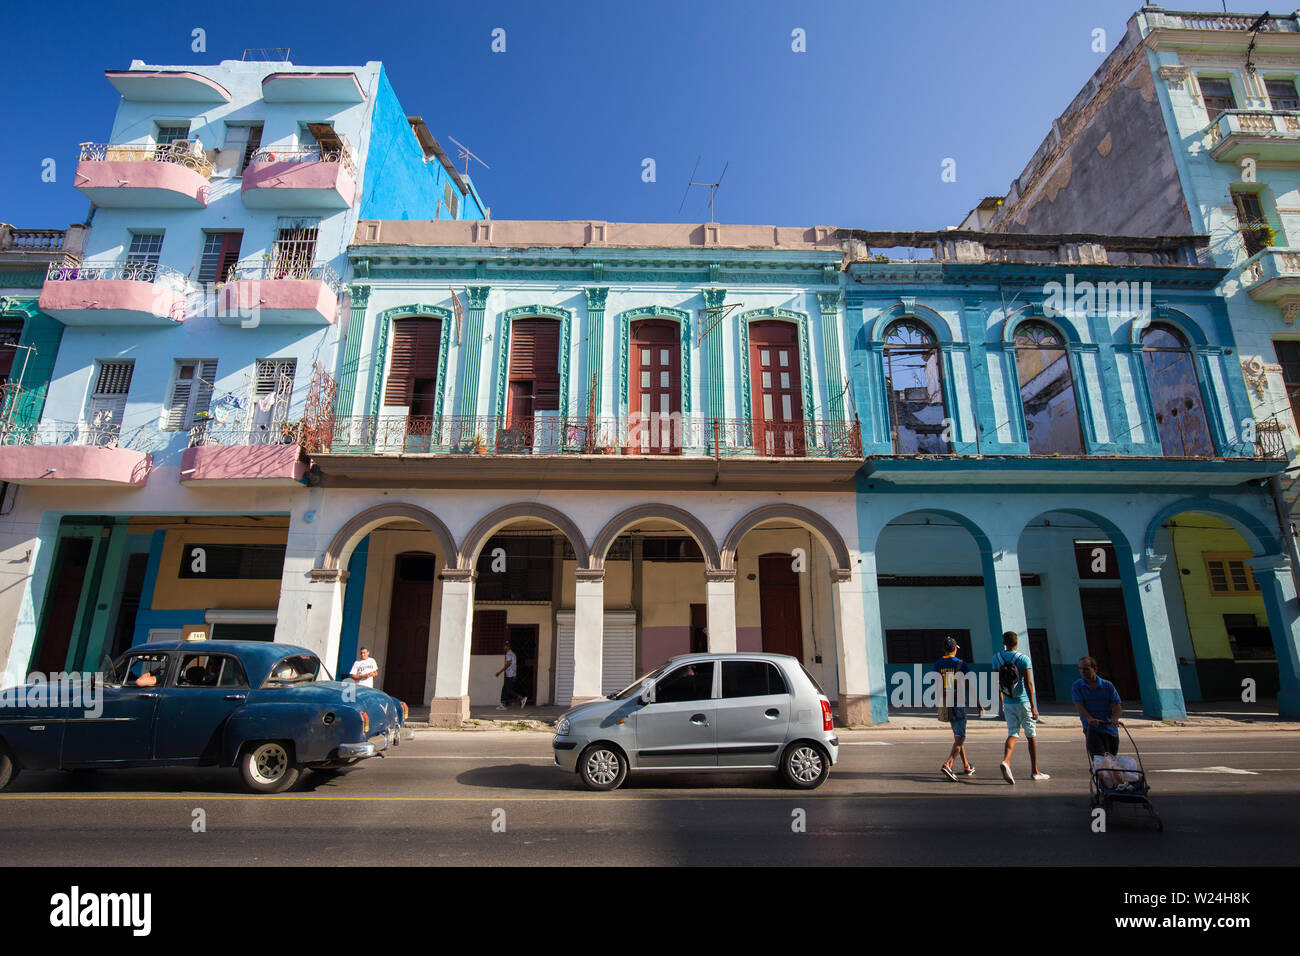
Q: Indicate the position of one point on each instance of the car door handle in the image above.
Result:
(235, 697)
(700, 720)
(772, 713)
(148, 696)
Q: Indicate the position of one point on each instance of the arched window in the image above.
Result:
(1175, 393)
(1047, 391)
(918, 418)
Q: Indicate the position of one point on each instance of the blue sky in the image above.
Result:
(852, 132)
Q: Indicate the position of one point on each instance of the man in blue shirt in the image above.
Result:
(1099, 707)
(1019, 706)
(952, 669)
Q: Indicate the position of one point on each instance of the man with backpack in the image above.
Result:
(952, 670)
(1019, 704)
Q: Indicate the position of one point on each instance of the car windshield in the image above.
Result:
(634, 689)
(296, 669)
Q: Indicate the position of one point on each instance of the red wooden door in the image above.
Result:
(778, 605)
(777, 393)
(655, 388)
(408, 626)
(1105, 624)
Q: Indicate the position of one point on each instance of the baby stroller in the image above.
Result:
(1120, 780)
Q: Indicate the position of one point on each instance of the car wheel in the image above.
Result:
(602, 767)
(805, 766)
(268, 767)
(8, 769)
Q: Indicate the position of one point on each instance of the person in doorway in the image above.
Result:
(952, 670)
(511, 670)
(365, 669)
(1019, 704)
(1099, 707)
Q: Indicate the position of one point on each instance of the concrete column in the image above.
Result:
(1155, 657)
(1277, 584)
(310, 613)
(588, 635)
(450, 704)
(860, 651)
(720, 587)
(1005, 600)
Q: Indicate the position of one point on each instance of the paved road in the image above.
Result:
(434, 801)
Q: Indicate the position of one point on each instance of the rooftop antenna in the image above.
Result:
(466, 155)
(713, 189)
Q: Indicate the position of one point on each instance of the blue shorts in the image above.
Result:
(1019, 716)
(959, 721)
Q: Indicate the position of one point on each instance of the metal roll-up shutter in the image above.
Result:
(563, 657)
(618, 660)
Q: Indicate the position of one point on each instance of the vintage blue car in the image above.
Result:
(268, 709)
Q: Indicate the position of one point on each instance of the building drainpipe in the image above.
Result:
(1284, 525)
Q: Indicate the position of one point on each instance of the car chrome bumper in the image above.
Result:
(376, 744)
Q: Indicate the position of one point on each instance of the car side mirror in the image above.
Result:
(647, 693)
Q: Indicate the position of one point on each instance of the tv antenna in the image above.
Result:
(713, 189)
(466, 155)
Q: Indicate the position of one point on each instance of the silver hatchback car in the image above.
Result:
(704, 712)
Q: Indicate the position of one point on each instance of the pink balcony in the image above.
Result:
(113, 293)
(300, 178)
(261, 465)
(165, 176)
(260, 294)
(75, 454)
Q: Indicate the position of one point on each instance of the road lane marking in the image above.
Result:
(1207, 770)
(714, 798)
(865, 743)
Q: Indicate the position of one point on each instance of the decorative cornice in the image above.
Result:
(589, 575)
(458, 574)
(721, 576)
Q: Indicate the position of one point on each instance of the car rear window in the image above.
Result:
(812, 679)
(751, 679)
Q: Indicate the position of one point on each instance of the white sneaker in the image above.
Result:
(1006, 772)
(525, 702)
(1042, 776)
(501, 706)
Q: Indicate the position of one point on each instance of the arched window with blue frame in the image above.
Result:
(1175, 393)
(1047, 391)
(918, 416)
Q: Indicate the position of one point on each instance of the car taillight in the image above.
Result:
(365, 722)
(827, 722)
(406, 714)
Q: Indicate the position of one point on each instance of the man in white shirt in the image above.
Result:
(364, 670)
(511, 670)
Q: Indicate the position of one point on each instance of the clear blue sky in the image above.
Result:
(852, 132)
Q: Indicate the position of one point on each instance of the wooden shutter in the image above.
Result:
(178, 410)
(416, 345)
(488, 634)
(535, 357)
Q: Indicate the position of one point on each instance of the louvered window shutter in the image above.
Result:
(535, 357)
(178, 411)
(401, 373)
(114, 378)
(207, 379)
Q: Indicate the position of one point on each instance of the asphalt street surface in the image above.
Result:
(1227, 798)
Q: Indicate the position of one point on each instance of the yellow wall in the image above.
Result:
(484, 685)
(1193, 535)
(668, 589)
(618, 584)
(172, 592)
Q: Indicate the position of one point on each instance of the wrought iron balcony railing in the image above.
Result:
(274, 266)
(559, 435)
(180, 154)
(306, 154)
(135, 270)
(144, 438)
(210, 432)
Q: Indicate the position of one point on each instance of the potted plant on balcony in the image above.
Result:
(480, 447)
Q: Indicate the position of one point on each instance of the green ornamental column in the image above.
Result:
(595, 345)
(344, 404)
(472, 346)
(829, 303)
(715, 405)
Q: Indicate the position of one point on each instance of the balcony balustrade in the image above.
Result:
(280, 290)
(165, 176)
(77, 453)
(114, 292)
(1264, 134)
(243, 454)
(300, 177)
(558, 435)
